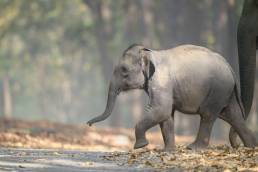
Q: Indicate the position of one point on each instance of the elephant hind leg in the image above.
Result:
(233, 138)
(203, 137)
(233, 115)
(208, 111)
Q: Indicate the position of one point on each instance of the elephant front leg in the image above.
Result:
(154, 115)
(203, 136)
(167, 130)
(158, 110)
(140, 130)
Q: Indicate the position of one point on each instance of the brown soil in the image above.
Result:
(45, 134)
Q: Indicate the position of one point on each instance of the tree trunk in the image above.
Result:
(231, 51)
(102, 14)
(7, 98)
(149, 36)
(102, 34)
(134, 22)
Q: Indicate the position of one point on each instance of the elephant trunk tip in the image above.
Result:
(89, 123)
(97, 119)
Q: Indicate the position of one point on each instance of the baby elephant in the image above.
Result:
(189, 79)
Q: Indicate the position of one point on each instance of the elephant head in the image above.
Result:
(247, 39)
(133, 71)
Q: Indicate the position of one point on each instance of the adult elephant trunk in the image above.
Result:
(246, 39)
(112, 94)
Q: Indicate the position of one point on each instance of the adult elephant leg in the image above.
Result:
(247, 33)
(203, 136)
(247, 67)
(247, 42)
(168, 134)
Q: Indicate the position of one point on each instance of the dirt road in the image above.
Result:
(59, 161)
(68, 148)
(220, 158)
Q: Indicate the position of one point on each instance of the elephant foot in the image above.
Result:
(168, 149)
(197, 146)
(250, 143)
(233, 138)
(234, 143)
(140, 143)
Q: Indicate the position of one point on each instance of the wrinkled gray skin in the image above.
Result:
(247, 41)
(189, 79)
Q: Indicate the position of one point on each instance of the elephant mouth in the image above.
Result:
(127, 88)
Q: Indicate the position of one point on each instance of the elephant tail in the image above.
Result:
(237, 91)
(239, 100)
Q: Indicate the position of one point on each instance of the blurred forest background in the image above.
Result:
(56, 57)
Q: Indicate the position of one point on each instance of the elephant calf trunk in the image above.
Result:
(112, 94)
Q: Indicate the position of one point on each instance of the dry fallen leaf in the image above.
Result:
(43, 134)
(56, 153)
(213, 159)
(88, 164)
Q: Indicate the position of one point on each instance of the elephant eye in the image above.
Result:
(124, 71)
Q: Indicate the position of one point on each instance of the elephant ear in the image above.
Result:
(148, 67)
